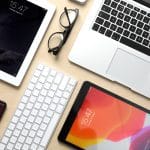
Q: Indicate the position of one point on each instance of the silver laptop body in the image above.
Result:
(102, 50)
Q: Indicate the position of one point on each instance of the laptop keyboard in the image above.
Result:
(39, 110)
(125, 23)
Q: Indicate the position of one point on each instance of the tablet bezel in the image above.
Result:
(77, 105)
(16, 80)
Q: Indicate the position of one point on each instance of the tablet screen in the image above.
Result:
(105, 122)
(19, 23)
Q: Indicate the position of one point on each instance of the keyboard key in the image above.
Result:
(143, 12)
(120, 15)
(117, 1)
(139, 17)
(120, 7)
(132, 36)
(113, 19)
(146, 27)
(139, 39)
(116, 36)
(133, 13)
(146, 20)
(145, 42)
(99, 20)
(119, 22)
(114, 12)
(133, 21)
(138, 31)
(104, 15)
(106, 24)
(140, 24)
(102, 30)
(145, 34)
(113, 4)
(119, 30)
(135, 45)
(126, 25)
(136, 9)
(126, 11)
(107, 2)
(127, 18)
(113, 27)
(132, 28)
(106, 8)
(123, 3)
(95, 27)
(108, 33)
(130, 6)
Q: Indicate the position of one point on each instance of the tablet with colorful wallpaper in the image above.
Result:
(101, 120)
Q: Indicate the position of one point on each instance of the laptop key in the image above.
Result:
(113, 5)
(116, 36)
(132, 28)
(126, 25)
(113, 19)
(139, 39)
(133, 13)
(120, 30)
(119, 22)
(104, 15)
(108, 33)
(130, 6)
(114, 12)
(123, 3)
(120, 7)
(146, 27)
(133, 21)
(140, 24)
(126, 33)
(146, 20)
(120, 15)
(136, 9)
(139, 16)
(127, 18)
(138, 31)
(107, 2)
(99, 20)
(145, 34)
(102, 30)
(132, 36)
(135, 45)
(106, 8)
(145, 42)
(126, 11)
(95, 27)
(113, 27)
(106, 24)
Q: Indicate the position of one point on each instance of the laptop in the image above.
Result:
(114, 42)
(22, 27)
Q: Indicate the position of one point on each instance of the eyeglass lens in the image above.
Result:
(64, 20)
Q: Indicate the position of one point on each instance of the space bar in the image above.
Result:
(135, 45)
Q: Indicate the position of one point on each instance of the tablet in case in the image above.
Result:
(101, 120)
(22, 26)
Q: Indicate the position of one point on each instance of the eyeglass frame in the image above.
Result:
(65, 33)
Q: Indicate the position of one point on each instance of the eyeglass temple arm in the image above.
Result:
(65, 9)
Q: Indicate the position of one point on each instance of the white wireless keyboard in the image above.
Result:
(39, 110)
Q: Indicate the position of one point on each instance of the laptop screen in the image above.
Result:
(144, 2)
(19, 23)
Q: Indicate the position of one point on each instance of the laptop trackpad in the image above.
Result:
(130, 70)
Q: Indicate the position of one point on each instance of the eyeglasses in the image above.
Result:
(67, 20)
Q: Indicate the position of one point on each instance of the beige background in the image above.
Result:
(11, 95)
